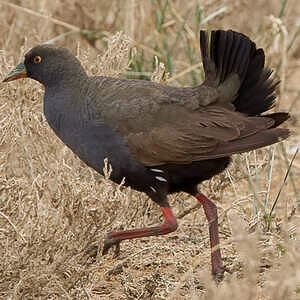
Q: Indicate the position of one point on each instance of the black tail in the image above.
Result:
(232, 53)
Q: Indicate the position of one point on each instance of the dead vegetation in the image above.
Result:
(53, 208)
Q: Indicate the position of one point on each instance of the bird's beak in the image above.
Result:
(18, 72)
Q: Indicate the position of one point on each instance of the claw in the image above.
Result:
(219, 275)
(108, 243)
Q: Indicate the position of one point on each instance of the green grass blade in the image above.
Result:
(282, 185)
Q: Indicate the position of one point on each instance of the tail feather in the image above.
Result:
(230, 53)
(233, 53)
(230, 42)
(236, 68)
(255, 68)
(257, 96)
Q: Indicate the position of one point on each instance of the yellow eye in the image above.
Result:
(37, 59)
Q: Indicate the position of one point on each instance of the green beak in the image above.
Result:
(18, 72)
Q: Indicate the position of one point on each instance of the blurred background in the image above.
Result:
(53, 207)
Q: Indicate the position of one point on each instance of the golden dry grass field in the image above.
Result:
(53, 207)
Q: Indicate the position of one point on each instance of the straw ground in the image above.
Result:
(53, 207)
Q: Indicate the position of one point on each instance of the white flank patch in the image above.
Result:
(161, 178)
(153, 189)
(157, 170)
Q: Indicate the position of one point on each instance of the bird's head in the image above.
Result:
(47, 64)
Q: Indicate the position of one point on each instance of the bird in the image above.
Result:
(162, 139)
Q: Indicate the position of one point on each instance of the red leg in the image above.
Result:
(210, 210)
(114, 238)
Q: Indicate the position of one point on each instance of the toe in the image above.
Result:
(108, 243)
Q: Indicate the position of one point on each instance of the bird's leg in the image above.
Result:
(210, 210)
(169, 225)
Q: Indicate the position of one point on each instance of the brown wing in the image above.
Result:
(193, 136)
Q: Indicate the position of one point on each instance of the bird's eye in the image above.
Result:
(37, 59)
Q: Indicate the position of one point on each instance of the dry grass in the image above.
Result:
(53, 208)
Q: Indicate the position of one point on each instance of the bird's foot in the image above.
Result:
(218, 273)
(108, 243)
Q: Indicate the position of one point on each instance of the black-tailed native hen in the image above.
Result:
(162, 139)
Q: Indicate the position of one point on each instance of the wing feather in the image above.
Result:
(195, 136)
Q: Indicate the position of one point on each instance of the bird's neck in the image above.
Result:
(65, 107)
